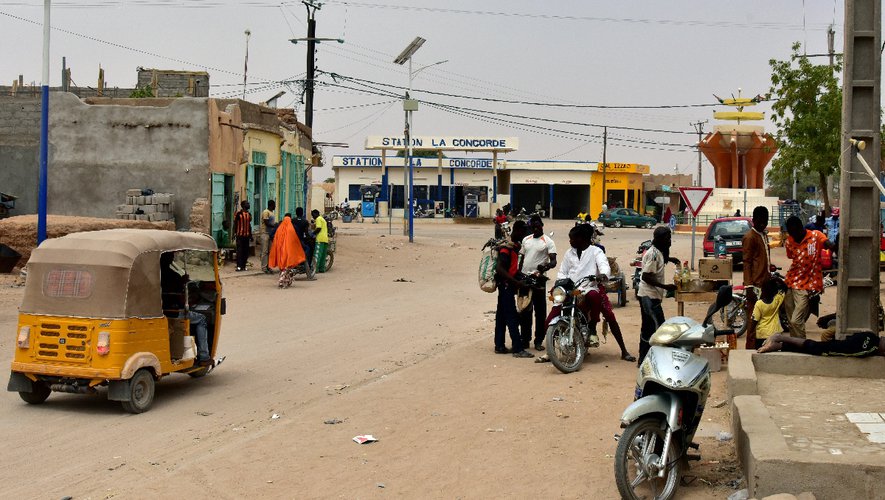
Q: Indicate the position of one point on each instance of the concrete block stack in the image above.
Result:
(153, 207)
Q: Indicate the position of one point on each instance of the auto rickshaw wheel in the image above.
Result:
(38, 394)
(141, 392)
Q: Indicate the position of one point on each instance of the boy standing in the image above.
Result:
(765, 320)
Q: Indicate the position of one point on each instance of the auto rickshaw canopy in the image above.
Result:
(113, 273)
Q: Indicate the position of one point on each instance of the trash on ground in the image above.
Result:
(380, 485)
(274, 416)
(724, 436)
(743, 494)
(835, 451)
(364, 439)
(203, 413)
(558, 399)
(402, 280)
(333, 421)
(494, 430)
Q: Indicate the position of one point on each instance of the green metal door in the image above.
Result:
(270, 187)
(217, 230)
(298, 184)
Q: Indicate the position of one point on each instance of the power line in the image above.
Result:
(121, 46)
(529, 103)
(558, 17)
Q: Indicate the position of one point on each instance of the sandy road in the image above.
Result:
(410, 362)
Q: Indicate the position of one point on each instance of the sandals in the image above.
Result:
(628, 357)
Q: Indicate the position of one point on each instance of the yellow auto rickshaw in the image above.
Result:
(117, 308)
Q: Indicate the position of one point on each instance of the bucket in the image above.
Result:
(8, 258)
(346, 218)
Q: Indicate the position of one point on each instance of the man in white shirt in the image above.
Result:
(584, 259)
(580, 261)
(652, 287)
(537, 255)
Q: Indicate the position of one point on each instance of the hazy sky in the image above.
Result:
(598, 53)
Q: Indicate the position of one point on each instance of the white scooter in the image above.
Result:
(671, 392)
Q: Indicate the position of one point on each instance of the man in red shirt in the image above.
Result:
(506, 316)
(805, 274)
(243, 233)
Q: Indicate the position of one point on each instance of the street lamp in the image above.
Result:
(410, 105)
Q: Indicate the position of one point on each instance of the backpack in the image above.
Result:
(488, 264)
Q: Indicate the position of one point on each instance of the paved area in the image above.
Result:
(811, 412)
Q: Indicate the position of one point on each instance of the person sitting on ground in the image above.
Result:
(172, 285)
(858, 345)
(765, 318)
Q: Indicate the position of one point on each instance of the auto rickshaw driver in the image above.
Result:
(173, 286)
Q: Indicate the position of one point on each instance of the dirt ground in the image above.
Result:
(395, 341)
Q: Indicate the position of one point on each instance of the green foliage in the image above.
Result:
(329, 180)
(141, 93)
(808, 115)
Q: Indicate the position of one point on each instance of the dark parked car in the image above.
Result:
(618, 217)
(732, 231)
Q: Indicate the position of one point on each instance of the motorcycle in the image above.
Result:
(636, 264)
(671, 391)
(569, 334)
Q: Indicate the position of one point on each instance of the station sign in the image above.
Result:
(396, 161)
(448, 143)
(630, 168)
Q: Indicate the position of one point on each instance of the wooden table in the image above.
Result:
(683, 297)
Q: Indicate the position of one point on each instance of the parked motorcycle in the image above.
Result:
(636, 264)
(568, 334)
(671, 391)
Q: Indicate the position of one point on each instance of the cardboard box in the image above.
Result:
(710, 268)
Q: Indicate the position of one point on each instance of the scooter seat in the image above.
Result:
(738, 288)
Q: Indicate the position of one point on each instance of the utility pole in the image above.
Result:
(43, 183)
(312, 9)
(604, 164)
(246, 63)
(312, 40)
(858, 290)
(699, 127)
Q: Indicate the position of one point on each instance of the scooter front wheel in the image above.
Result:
(565, 347)
(637, 461)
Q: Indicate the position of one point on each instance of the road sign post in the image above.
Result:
(694, 198)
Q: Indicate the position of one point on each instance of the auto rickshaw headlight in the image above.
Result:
(104, 343)
(24, 337)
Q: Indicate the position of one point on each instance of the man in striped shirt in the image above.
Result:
(243, 234)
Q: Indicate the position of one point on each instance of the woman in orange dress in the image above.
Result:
(286, 252)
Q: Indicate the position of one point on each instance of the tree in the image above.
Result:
(139, 93)
(807, 112)
(329, 180)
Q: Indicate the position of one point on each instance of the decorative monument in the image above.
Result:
(739, 154)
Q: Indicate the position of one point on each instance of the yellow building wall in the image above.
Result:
(617, 181)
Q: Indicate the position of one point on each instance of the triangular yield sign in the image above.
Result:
(695, 197)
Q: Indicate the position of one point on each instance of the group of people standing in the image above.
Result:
(530, 252)
(283, 245)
